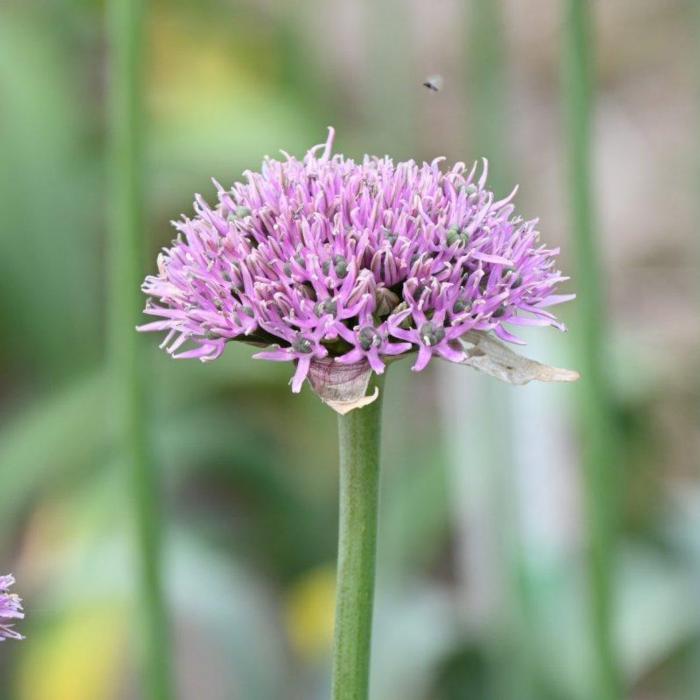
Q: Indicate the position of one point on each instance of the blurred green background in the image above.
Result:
(482, 592)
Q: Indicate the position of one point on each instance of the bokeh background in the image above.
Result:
(482, 587)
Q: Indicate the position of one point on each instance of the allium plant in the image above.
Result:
(10, 609)
(340, 268)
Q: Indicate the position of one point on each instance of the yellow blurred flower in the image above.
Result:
(310, 612)
(81, 658)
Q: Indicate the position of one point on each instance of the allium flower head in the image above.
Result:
(10, 609)
(328, 260)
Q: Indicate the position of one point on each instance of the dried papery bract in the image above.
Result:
(342, 387)
(486, 354)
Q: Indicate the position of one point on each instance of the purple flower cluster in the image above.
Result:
(325, 257)
(10, 609)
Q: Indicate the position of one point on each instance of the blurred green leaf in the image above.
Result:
(62, 432)
(50, 198)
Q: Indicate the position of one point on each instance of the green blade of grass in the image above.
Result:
(128, 407)
(596, 425)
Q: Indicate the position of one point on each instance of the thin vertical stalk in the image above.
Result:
(511, 672)
(359, 437)
(598, 443)
(693, 676)
(126, 29)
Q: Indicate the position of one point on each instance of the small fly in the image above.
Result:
(434, 83)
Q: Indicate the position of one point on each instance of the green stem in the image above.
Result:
(693, 683)
(598, 453)
(128, 406)
(359, 437)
